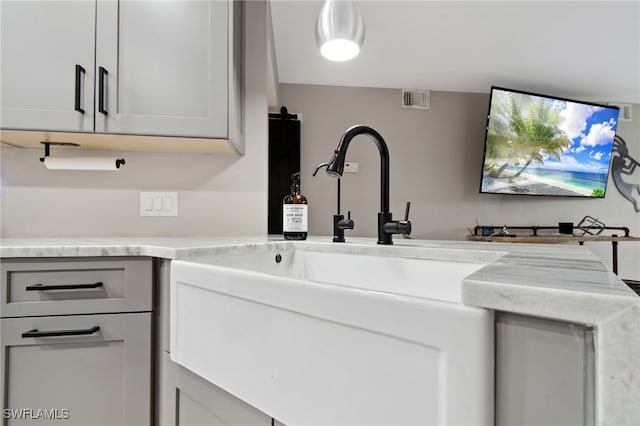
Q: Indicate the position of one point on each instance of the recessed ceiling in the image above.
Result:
(586, 50)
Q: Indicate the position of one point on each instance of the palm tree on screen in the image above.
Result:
(524, 134)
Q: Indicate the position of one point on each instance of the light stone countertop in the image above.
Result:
(562, 282)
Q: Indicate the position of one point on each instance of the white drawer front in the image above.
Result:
(76, 370)
(74, 286)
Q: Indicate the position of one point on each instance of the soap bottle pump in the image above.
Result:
(295, 215)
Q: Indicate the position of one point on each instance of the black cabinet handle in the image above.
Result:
(79, 72)
(102, 74)
(42, 287)
(56, 333)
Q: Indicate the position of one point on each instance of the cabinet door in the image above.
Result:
(43, 43)
(544, 372)
(162, 68)
(189, 400)
(99, 378)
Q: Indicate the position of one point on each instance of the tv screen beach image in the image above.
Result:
(539, 145)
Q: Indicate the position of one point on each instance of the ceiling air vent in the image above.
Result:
(418, 99)
(625, 111)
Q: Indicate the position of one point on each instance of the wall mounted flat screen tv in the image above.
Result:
(543, 145)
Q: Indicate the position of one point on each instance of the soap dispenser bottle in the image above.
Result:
(295, 215)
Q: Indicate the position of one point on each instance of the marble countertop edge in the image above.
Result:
(593, 309)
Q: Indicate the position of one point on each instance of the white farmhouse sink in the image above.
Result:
(391, 274)
(338, 334)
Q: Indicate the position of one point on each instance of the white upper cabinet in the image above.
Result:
(48, 57)
(150, 68)
(162, 68)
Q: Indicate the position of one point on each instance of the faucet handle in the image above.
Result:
(404, 226)
(406, 212)
(407, 224)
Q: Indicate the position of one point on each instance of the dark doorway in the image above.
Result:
(284, 160)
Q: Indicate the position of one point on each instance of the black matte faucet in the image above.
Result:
(386, 226)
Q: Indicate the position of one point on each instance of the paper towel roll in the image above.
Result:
(82, 163)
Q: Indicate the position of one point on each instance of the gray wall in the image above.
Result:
(216, 195)
(435, 163)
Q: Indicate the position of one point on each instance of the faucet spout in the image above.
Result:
(336, 164)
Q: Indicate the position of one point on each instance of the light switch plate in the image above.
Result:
(158, 204)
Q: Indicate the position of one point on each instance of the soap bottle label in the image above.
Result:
(294, 218)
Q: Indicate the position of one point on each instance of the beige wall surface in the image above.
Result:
(217, 195)
(435, 162)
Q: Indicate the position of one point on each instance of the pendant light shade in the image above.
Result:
(339, 30)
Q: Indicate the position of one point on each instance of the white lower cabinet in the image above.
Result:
(189, 400)
(545, 372)
(76, 341)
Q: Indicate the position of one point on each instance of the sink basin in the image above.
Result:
(369, 271)
(329, 334)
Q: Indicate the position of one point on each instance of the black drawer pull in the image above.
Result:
(42, 287)
(78, 95)
(56, 333)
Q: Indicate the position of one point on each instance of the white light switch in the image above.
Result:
(158, 204)
(146, 204)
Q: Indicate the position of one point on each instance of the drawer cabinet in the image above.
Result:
(75, 341)
(67, 286)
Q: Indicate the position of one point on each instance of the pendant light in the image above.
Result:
(339, 30)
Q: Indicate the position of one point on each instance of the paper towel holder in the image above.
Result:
(47, 151)
(47, 147)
